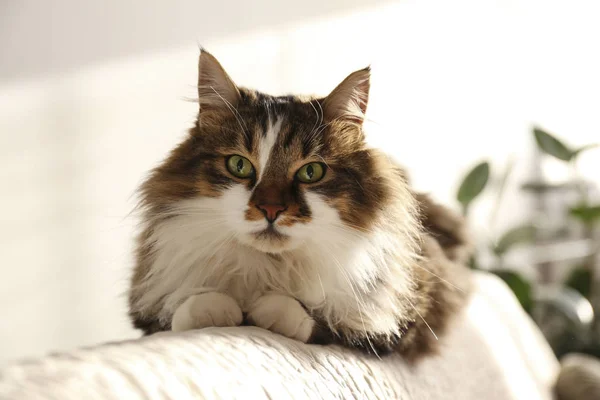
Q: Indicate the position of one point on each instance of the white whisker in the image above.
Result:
(235, 113)
(321, 284)
(440, 278)
(317, 122)
(418, 313)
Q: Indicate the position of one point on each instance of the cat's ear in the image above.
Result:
(216, 90)
(348, 101)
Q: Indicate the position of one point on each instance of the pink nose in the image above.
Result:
(271, 211)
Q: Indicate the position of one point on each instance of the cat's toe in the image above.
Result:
(282, 314)
(206, 309)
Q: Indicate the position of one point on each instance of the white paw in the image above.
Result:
(206, 309)
(283, 315)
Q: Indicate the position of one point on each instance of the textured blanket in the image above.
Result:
(492, 352)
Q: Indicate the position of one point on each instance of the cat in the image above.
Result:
(274, 212)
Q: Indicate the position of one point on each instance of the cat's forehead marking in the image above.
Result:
(267, 142)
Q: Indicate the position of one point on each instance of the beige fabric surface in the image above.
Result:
(493, 352)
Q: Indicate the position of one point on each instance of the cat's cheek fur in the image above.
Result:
(324, 223)
(283, 315)
(233, 203)
(206, 310)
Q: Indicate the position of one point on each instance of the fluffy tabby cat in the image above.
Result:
(274, 212)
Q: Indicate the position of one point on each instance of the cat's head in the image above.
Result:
(274, 172)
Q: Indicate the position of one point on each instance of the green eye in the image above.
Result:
(311, 173)
(240, 166)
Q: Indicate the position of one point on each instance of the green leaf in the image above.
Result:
(520, 287)
(586, 214)
(473, 184)
(581, 280)
(518, 235)
(580, 150)
(551, 145)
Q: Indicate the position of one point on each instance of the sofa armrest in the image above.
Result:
(493, 351)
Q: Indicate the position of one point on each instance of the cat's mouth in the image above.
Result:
(270, 240)
(270, 233)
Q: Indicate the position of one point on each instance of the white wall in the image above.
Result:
(91, 98)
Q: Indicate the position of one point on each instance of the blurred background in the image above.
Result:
(486, 102)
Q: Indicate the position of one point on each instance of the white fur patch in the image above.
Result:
(205, 310)
(329, 267)
(283, 315)
(266, 146)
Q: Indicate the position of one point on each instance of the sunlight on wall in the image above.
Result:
(453, 83)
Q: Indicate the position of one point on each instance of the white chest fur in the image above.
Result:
(190, 261)
(334, 273)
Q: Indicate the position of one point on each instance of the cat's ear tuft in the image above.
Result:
(216, 90)
(348, 101)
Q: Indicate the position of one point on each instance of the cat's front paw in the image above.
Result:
(282, 314)
(206, 309)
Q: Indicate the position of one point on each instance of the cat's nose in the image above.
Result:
(271, 211)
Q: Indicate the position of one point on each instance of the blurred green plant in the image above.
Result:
(519, 235)
(551, 145)
(580, 279)
(588, 215)
(472, 185)
(556, 306)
